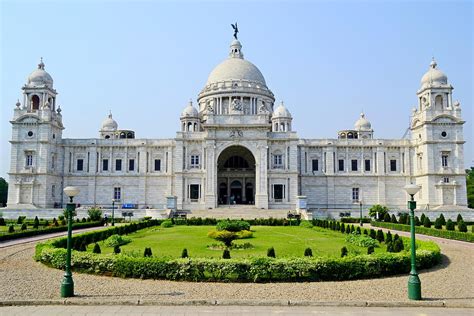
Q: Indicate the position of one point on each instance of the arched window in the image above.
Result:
(439, 102)
(190, 127)
(195, 127)
(276, 127)
(35, 101)
(184, 127)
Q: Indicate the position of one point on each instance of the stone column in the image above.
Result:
(261, 184)
(211, 176)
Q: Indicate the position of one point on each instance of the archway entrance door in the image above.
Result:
(236, 176)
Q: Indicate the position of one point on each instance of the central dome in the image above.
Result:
(236, 68)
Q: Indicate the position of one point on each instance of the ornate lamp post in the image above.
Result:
(67, 285)
(360, 208)
(113, 210)
(414, 283)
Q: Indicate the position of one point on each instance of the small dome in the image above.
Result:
(434, 76)
(39, 77)
(281, 112)
(362, 124)
(109, 124)
(189, 111)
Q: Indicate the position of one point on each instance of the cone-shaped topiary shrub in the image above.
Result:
(462, 226)
(388, 239)
(11, 229)
(2, 221)
(96, 248)
(343, 251)
(117, 250)
(393, 219)
(308, 252)
(370, 250)
(417, 221)
(358, 230)
(23, 226)
(422, 218)
(271, 252)
(459, 218)
(343, 228)
(184, 253)
(226, 254)
(427, 222)
(348, 229)
(36, 222)
(437, 223)
(365, 232)
(398, 245)
(147, 252)
(372, 234)
(352, 229)
(442, 219)
(380, 236)
(386, 218)
(449, 225)
(390, 247)
(396, 237)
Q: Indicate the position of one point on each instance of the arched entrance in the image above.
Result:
(236, 176)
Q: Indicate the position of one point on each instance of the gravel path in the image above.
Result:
(21, 278)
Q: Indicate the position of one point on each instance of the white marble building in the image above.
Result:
(237, 146)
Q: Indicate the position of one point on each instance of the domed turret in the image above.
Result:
(362, 124)
(433, 76)
(39, 77)
(190, 121)
(189, 111)
(281, 119)
(281, 112)
(109, 124)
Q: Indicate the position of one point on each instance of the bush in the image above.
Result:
(271, 252)
(94, 214)
(226, 254)
(83, 245)
(422, 218)
(380, 236)
(396, 237)
(462, 226)
(20, 219)
(2, 221)
(390, 247)
(386, 218)
(147, 252)
(167, 224)
(372, 234)
(11, 229)
(449, 225)
(223, 236)
(308, 252)
(36, 222)
(306, 224)
(442, 220)
(417, 221)
(358, 230)
(348, 229)
(96, 248)
(370, 250)
(388, 238)
(352, 229)
(343, 251)
(427, 222)
(146, 218)
(343, 228)
(361, 240)
(55, 222)
(437, 224)
(117, 249)
(233, 225)
(458, 219)
(377, 208)
(398, 245)
(393, 219)
(117, 240)
(184, 253)
(243, 234)
(365, 232)
(23, 226)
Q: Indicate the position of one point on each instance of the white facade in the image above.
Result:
(238, 147)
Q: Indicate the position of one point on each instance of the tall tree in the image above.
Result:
(3, 191)
(470, 187)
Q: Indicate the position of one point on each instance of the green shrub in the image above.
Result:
(147, 252)
(96, 248)
(393, 219)
(437, 224)
(184, 253)
(427, 222)
(343, 228)
(117, 240)
(422, 218)
(226, 254)
(343, 251)
(55, 222)
(23, 226)
(167, 224)
(372, 234)
(36, 222)
(83, 220)
(2, 221)
(352, 229)
(449, 225)
(380, 236)
(442, 220)
(417, 221)
(61, 217)
(117, 249)
(390, 246)
(396, 237)
(458, 219)
(365, 232)
(243, 234)
(308, 252)
(233, 225)
(348, 229)
(398, 245)
(358, 230)
(388, 238)
(11, 229)
(377, 208)
(361, 240)
(386, 218)
(63, 222)
(20, 219)
(83, 245)
(370, 250)
(307, 224)
(146, 218)
(94, 214)
(271, 252)
(224, 236)
(462, 226)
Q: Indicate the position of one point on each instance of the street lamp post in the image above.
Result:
(360, 205)
(414, 283)
(113, 209)
(67, 285)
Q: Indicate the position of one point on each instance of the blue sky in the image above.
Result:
(145, 59)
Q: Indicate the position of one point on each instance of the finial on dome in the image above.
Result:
(18, 104)
(41, 64)
(236, 30)
(433, 63)
(110, 114)
(362, 114)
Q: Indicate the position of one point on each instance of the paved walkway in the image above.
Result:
(228, 310)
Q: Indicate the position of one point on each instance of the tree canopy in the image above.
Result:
(470, 187)
(3, 191)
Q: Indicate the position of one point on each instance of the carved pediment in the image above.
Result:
(445, 119)
(28, 119)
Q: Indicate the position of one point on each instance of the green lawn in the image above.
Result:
(287, 241)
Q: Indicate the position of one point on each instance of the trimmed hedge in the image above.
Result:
(449, 234)
(261, 269)
(354, 220)
(49, 230)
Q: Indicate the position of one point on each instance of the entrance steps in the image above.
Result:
(238, 212)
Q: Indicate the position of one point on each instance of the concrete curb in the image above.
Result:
(149, 302)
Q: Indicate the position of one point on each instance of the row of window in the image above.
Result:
(118, 165)
(354, 165)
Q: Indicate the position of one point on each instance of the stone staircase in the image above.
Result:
(238, 212)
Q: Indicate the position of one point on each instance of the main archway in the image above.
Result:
(236, 176)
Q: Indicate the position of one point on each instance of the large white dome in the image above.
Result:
(236, 69)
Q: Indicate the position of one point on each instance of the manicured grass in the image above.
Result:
(287, 241)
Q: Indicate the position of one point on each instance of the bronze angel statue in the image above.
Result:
(236, 29)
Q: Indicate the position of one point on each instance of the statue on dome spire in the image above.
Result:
(236, 30)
